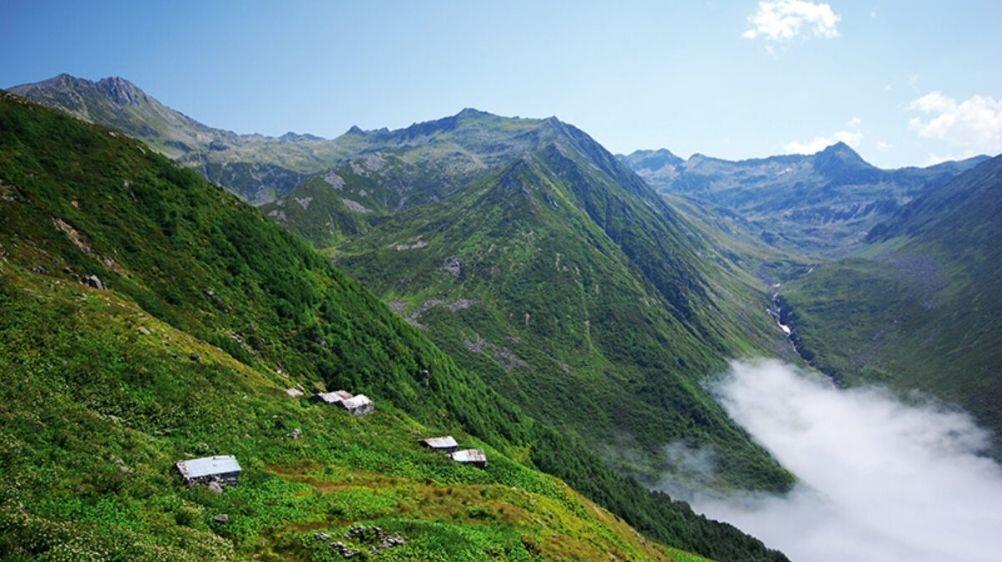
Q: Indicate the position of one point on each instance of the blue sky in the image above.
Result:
(903, 82)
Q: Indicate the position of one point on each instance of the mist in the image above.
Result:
(880, 478)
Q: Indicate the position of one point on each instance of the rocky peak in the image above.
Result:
(121, 91)
(839, 155)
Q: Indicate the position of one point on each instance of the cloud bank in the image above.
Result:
(973, 125)
(880, 479)
(783, 20)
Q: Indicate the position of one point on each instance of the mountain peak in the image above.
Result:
(472, 113)
(652, 160)
(839, 147)
(113, 88)
(841, 155)
(122, 91)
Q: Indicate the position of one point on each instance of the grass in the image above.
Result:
(90, 438)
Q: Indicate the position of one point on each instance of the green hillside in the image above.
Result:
(918, 307)
(532, 256)
(203, 313)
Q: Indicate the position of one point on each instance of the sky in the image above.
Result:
(905, 83)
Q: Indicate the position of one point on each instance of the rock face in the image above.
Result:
(94, 281)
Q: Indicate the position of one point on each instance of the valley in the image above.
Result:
(507, 280)
(150, 317)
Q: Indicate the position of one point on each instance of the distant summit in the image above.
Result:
(116, 102)
(838, 158)
(822, 202)
(255, 167)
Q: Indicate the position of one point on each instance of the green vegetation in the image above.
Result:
(209, 312)
(555, 272)
(918, 306)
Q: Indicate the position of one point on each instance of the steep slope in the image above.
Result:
(540, 261)
(149, 317)
(822, 204)
(256, 167)
(918, 306)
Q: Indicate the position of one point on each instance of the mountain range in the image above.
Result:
(568, 306)
(822, 204)
(886, 276)
(568, 280)
(917, 306)
(150, 317)
(256, 167)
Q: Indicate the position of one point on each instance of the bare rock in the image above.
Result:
(94, 281)
(453, 266)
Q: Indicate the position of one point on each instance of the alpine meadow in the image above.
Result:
(435, 281)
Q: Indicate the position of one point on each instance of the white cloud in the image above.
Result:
(783, 20)
(879, 479)
(974, 125)
(884, 146)
(817, 144)
(855, 122)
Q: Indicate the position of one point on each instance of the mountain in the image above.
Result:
(531, 255)
(255, 167)
(657, 167)
(917, 306)
(822, 204)
(150, 317)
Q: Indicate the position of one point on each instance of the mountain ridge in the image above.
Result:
(915, 303)
(502, 261)
(174, 316)
(820, 205)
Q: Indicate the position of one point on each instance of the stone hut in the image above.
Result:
(475, 457)
(223, 469)
(446, 444)
(335, 397)
(360, 405)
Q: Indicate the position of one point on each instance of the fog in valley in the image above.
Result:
(880, 478)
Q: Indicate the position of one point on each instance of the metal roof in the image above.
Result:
(356, 401)
(469, 455)
(446, 442)
(330, 397)
(208, 466)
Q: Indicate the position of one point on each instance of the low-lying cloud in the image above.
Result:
(880, 479)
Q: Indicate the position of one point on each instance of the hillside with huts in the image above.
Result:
(151, 330)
